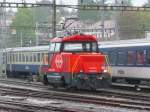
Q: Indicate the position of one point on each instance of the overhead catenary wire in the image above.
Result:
(81, 7)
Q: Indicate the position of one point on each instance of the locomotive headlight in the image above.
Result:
(81, 71)
(105, 71)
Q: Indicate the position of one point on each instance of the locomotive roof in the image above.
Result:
(75, 38)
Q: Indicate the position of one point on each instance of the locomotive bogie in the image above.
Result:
(80, 80)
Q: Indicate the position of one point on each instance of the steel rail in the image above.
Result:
(102, 100)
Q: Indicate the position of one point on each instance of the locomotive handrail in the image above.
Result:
(109, 68)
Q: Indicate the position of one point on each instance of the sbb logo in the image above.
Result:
(58, 61)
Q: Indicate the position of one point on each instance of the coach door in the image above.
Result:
(2, 63)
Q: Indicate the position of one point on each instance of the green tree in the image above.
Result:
(129, 22)
(145, 17)
(44, 14)
(24, 25)
(130, 25)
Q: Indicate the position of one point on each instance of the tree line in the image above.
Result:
(130, 24)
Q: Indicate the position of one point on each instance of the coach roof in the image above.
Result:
(75, 38)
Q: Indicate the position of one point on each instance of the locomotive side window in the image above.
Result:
(140, 57)
(121, 58)
(94, 46)
(86, 46)
(130, 57)
(52, 47)
(57, 47)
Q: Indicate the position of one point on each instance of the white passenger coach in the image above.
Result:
(130, 59)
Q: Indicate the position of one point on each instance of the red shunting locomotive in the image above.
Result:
(75, 61)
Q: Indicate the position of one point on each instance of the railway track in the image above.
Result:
(139, 102)
(108, 97)
(23, 83)
(26, 107)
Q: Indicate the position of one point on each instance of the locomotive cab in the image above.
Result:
(75, 61)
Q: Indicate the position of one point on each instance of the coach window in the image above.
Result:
(27, 58)
(16, 57)
(7, 57)
(140, 57)
(121, 58)
(3, 58)
(23, 58)
(13, 57)
(148, 57)
(38, 57)
(112, 58)
(10, 56)
(130, 57)
(19, 57)
(30, 56)
(105, 53)
(34, 57)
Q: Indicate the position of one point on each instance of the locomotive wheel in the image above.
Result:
(105, 83)
(45, 81)
(54, 86)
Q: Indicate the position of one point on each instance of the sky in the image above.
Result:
(139, 2)
(71, 2)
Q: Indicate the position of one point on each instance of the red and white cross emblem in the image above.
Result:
(58, 61)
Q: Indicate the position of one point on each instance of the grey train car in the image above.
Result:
(23, 61)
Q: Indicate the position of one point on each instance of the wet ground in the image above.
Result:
(60, 103)
(66, 104)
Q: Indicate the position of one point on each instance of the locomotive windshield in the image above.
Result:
(80, 47)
